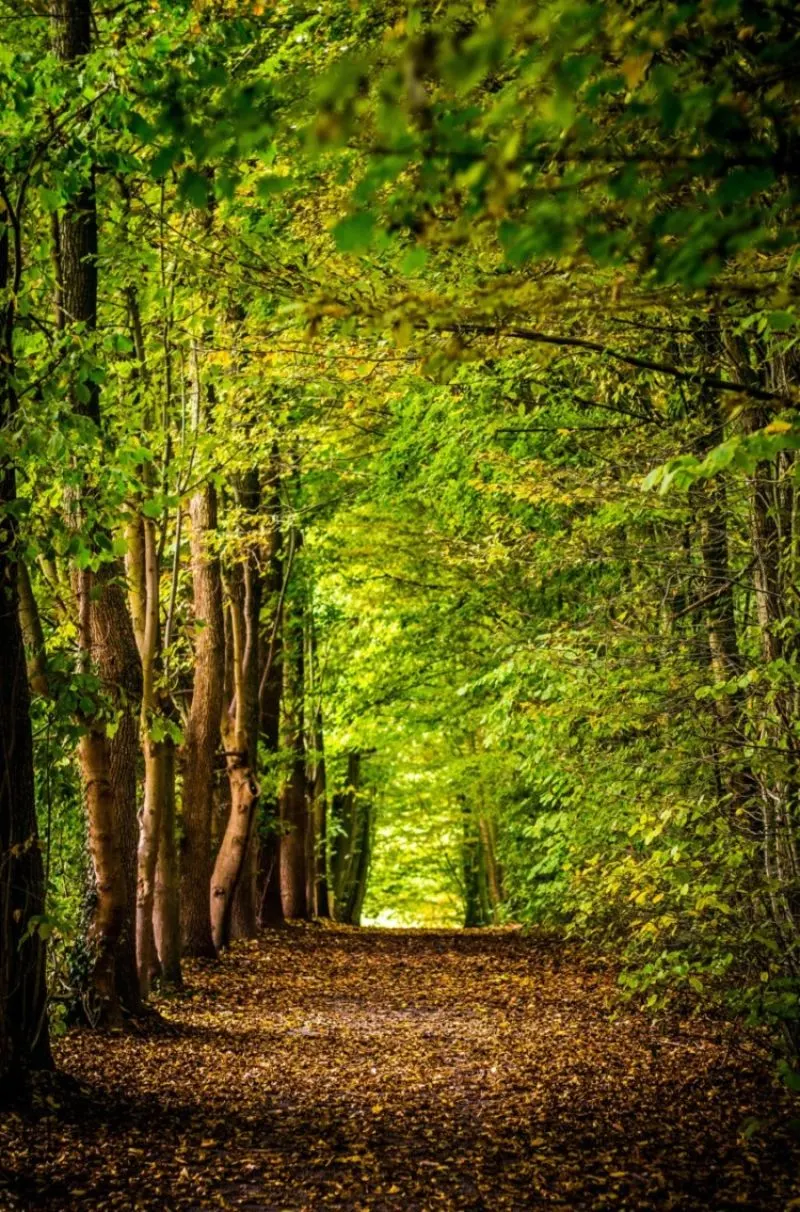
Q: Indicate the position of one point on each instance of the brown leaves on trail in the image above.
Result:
(386, 1070)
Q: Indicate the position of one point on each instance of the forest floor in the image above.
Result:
(417, 1070)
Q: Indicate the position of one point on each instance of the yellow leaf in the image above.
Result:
(634, 68)
(778, 427)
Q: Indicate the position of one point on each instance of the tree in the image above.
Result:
(24, 1035)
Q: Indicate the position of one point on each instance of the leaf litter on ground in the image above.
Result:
(367, 1069)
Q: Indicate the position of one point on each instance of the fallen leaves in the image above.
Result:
(399, 1071)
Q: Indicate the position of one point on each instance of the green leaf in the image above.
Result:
(781, 321)
(355, 233)
(742, 183)
(414, 261)
(193, 187)
(163, 161)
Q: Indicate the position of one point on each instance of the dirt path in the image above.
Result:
(371, 1070)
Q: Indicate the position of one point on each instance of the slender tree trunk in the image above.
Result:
(116, 658)
(316, 846)
(167, 903)
(361, 871)
(782, 862)
(472, 867)
(24, 1039)
(494, 878)
(244, 914)
(202, 730)
(124, 754)
(240, 734)
(725, 656)
(144, 592)
(109, 913)
(270, 904)
(350, 846)
(33, 634)
(23, 1007)
(294, 809)
(106, 637)
(311, 827)
(319, 800)
(711, 510)
(150, 831)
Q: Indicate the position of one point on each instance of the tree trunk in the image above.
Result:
(33, 634)
(202, 729)
(317, 788)
(319, 821)
(24, 1039)
(150, 830)
(244, 914)
(473, 867)
(781, 859)
(244, 918)
(143, 579)
(109, 913)
(124, 754)
(144, 583)
(240, 734)
(350, 846)
(294, 809)
(105, 633)
(270, 904)
(358, 892)
(494, 876)
(167, 903)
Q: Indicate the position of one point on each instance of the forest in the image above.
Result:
(399, 604)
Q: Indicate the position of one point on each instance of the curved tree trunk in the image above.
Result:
(143, 578)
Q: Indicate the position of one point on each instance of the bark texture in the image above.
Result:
(202, 727)
(240, 734)
(117, 660)
(143, 579)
